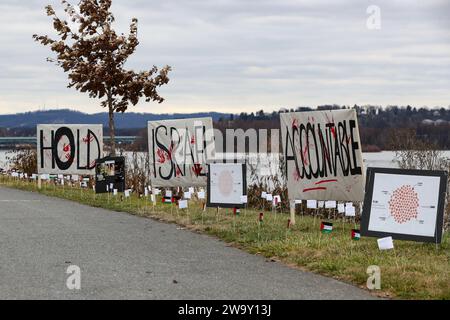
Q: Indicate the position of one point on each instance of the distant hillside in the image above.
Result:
(126, 120)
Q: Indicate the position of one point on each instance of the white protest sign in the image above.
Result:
(323, 155)
(68, 149)
(179, 151)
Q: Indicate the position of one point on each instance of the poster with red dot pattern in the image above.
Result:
(404, 204)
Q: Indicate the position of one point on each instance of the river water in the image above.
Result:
(372, 159)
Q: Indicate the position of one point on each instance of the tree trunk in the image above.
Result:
(112, 129)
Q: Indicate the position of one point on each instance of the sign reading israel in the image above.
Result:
(68, 149)
(179, 151)
(322, 150)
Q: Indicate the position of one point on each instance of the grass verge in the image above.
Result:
(411, 271)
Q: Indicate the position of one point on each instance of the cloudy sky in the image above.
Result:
(244, 55)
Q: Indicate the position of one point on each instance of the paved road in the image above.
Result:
(126, 257)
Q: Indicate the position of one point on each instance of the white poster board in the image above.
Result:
(227, 184)
(179, 151)
(68, 148)
(323, 154)
(407, 204)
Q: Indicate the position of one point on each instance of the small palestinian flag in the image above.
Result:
(236, 211)
(326, 227)
(356, 235)
(167, 200)
(261, 217)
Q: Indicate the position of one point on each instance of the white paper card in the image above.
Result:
(244, 199)
(330, 204)
(182, 204)
(385, 243)
(311, 204)
(350, 211)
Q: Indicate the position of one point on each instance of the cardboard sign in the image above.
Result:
(323, 155)
(179, 151)
(68, 149)
(404, 204)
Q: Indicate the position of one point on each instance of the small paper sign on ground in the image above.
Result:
(264, 195)
(385, 243)
(320, 204)
(187, 195)
(127, 193)
(350, 211)
(311, 204)
(191, 190)
(183, 204)
(244, 199)
(201, 195)
(341, 208)
(330, 204)
(269, 197)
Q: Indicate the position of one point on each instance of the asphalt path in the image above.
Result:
(121, 256)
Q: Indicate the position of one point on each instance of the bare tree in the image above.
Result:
(94, 56)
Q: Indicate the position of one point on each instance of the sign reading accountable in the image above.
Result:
(323, 154)
(179, 151)
(68, 149)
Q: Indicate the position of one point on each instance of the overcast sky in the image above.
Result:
(244, 55)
